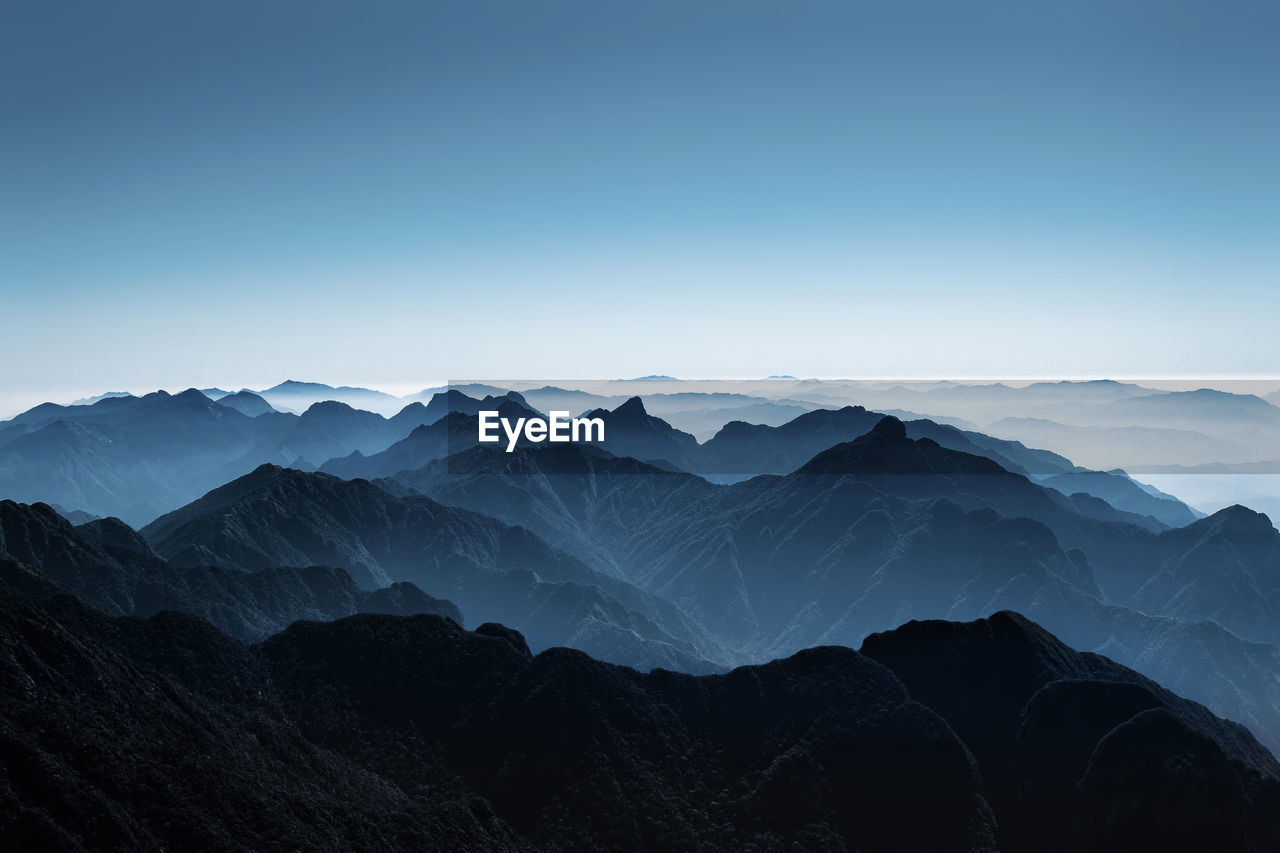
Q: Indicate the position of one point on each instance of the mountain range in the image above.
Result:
(663, 656)
(387, 732)
(109, 565)
(886, 528)
(137, 457)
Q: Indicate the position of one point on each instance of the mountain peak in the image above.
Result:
(293, 385)
(328, 407)
(890, 427)
(634, 407)
(1236, 519)
(887, 449)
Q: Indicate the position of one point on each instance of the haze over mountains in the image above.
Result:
(752, 561)
(1098, 425)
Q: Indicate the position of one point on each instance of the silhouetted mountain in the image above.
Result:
(404, 599)
(981, 403)
(330, 429)
(741, 450)
(631, 431)
(1225, 567)
(703, 424)
(277, 516)
(135, 457)
(475, 390)
(1205, 410)
(1067, 742)
(550, 398)
(101, 752)
(299, 396)
(579, 498)
(75, 516)
(89, 401)
(112, 567)
(384, 732)
(128, 456)
(1011, 455)
(744, 449)
(216, 393)
(437, 439)
(245, 402)
(454, 400)
(1117, 489)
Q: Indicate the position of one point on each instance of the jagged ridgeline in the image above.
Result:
(290, 593)
(393, 732)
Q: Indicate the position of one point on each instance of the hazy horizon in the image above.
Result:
(11, 404)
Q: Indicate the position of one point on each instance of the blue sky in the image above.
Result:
(395, 194)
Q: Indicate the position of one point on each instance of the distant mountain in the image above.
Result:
(703, 424)
(128, 456)
(89, 401)
(470, 389)
(1194, 427)
(1117, 489)
(136, 457)
(1273, 398)
(387, 733)
(326, 430)
(1193, 410)
(275, 517)
(737, 451)
(246, 403)
(299, 396)
(744, 449)
(1127, 447)
(981, 403)
(75, 516)
(436, 438)
(549, 398)
(455, 401)
(701, 413)
(109, 565)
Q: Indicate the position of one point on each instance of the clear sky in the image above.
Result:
(394, 194)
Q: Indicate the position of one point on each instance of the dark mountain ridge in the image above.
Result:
(389, 732)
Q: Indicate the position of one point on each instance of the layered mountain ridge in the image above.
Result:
(386, 732)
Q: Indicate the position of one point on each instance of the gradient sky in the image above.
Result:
(393, 194)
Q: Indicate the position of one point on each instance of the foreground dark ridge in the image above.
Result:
(386, 732)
